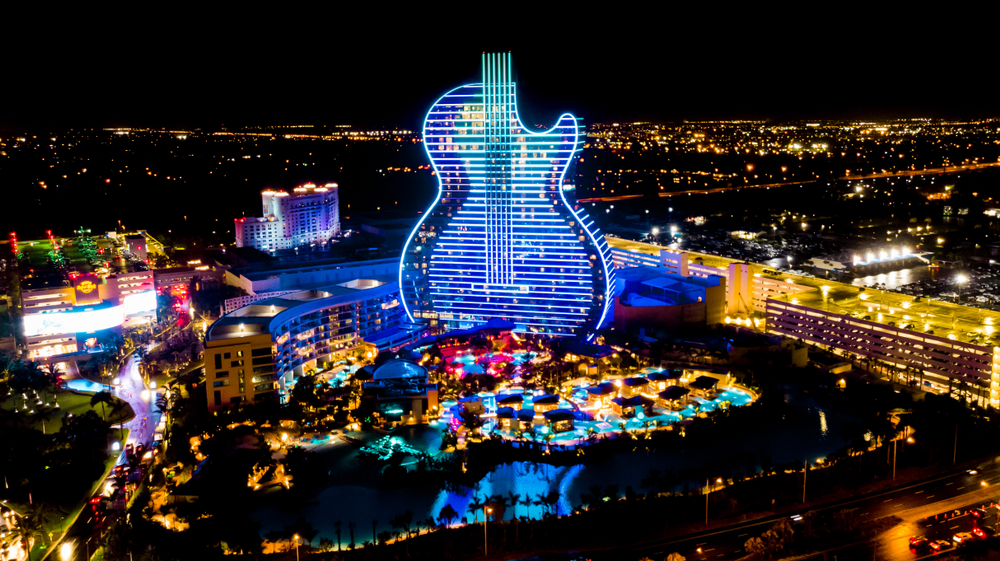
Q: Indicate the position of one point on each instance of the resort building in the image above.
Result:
(941, 345)
(655, 299)
(504, 241)
(62, 316)
(400, 393)
(309, 215)
(303, 331)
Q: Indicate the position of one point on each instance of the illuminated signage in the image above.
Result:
(73, 322)
(503, 238)
(140, 303)
(87, 289)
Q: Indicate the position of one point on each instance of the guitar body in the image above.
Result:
(504, 238)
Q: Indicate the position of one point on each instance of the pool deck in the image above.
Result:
(606, 423)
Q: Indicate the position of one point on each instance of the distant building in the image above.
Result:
(308, 215)
(255, 352)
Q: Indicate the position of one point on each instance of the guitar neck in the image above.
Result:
(498, 122)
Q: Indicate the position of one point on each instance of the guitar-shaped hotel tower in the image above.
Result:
(504, 238)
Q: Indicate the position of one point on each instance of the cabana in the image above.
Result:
(673, 397)
(599, 396)
(559, 420)
(634, 386)
(660, 380)
(543, 403)
(704, 386)
(472, 404)
(526, 420)
(507, 419)
(624, 407)
(515, 401)
(643, 404)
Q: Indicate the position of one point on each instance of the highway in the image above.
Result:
(927, 508)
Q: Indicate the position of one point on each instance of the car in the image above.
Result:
(919, 543)
(983, 532)
(939, 545)
(978, 513)
(972, 471)
(963, 537)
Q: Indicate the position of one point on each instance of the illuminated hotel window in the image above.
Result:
(484, 232)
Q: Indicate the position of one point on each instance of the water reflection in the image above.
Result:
(530, 484)
(356, 493)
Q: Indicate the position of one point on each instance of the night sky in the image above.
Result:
(334, 66)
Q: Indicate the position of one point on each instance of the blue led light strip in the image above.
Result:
(501, 239)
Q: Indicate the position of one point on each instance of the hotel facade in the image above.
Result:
(308, 215)
(257, 352)
(504, 237)
(64, 318)
(944, 345)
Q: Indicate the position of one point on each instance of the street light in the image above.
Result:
(960, 279)
(295, 538)
(486, 511)
(707, 491)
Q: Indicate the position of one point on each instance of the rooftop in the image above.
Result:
(256, 318)
(399, 369)
(947, 319)
(302, 190)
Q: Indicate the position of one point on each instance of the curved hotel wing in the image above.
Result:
(252, 353)
(504, 238)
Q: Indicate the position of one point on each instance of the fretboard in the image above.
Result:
(498, 115)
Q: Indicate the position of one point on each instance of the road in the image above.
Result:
(132, 389)
(926, 508)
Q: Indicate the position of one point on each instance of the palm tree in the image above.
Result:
(552, 501)
(50, 376)
(350, 532)
(538, 501)
(500, 503)
(447, 514)
(514, 499)
(32, 523)
(337, 526)
(102, 397)
(44, 414)
(476, 504)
